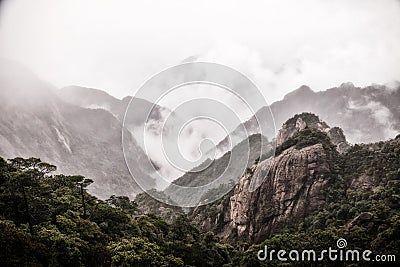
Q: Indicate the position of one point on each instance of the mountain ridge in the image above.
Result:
(365, 115)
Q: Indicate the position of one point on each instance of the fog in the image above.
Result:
(116, 46)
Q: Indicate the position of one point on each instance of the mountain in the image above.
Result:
(146, 122)
(316, 189)
(368, 114)
(259, 149)
(80, 128)
(35, 122)
(292, 188)
(310, 186)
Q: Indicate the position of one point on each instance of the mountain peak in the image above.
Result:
(310, 120)
(347, 85)
(303, 90)
(305, 120)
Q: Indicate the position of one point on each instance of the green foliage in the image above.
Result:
(305, 138)
(307, 117)
(123, 203)
(113, 232)
(11, 238)
(139, 252)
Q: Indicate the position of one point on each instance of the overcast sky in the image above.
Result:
(117, 45)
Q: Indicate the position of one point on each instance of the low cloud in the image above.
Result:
(379, 113)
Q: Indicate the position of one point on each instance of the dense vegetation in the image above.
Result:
(50, 220)
(307, 137)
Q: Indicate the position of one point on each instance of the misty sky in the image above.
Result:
(117, 45)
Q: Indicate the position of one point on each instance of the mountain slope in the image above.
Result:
(223, 171)
(35, 122)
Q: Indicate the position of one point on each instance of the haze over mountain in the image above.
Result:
(95, 98)
(35, 122)
(80, 128)
(146, 121)
(368, 114)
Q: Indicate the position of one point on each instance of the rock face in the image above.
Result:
(292, 189)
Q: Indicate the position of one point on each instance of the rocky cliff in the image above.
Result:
(292, 189)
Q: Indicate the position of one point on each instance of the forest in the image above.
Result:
(50, 219)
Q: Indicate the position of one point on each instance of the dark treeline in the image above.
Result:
(51, 220)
